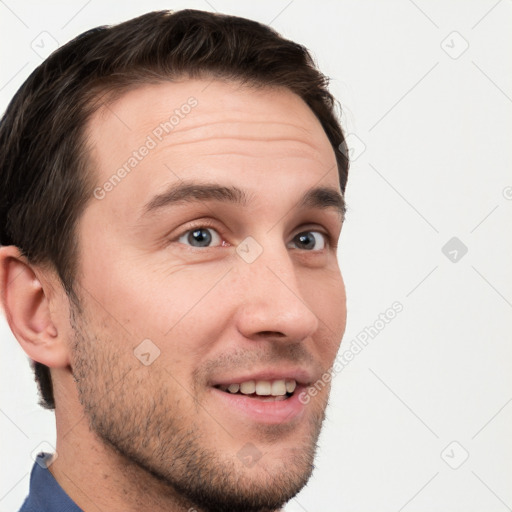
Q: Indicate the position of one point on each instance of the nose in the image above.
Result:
(272, 299)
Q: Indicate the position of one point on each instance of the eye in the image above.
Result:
(199, 237)
(205, 236)
(310, 240)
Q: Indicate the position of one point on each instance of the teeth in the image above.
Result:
(278, 388)
(248, 388)
(263, 387)
(290, 386)
(233, 388)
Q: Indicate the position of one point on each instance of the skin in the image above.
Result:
(155, 437)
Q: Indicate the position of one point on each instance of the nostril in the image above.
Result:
(273, 334)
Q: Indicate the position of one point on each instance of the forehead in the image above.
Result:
(218, 130)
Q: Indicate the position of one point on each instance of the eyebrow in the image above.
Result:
(190, 191)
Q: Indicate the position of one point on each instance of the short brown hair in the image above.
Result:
(43, 157)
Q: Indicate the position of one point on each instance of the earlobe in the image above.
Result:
(26, 300)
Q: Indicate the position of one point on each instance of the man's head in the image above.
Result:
(172, 199)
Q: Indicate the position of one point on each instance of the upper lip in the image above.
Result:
(301, 375)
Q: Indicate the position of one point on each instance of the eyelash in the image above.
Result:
(211, 225)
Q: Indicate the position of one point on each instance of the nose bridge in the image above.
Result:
(272, 299)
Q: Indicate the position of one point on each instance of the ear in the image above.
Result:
(33, 308)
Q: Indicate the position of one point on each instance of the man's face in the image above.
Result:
(223, 292)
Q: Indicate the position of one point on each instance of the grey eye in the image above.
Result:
(309, 240)
(199, 237)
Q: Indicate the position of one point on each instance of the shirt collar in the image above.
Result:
(45, 493)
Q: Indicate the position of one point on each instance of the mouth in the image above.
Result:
(267, 398)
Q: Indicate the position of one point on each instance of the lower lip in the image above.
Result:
(270, 413)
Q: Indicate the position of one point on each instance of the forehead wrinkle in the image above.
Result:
(232, 122)
(243, 137)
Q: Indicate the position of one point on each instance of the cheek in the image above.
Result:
(145, 296)
(327, 299)
(325, 294)
(174, 307)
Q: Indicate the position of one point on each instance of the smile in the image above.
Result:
(261, 408)
(265, 390)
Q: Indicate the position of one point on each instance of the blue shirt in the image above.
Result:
(45, 493)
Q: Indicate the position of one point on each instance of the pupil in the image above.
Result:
(201, 236)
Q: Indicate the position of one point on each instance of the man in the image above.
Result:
(172, 198)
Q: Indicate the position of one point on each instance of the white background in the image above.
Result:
(431, 138)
